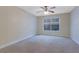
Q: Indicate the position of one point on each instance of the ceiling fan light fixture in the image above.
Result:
(46, 12)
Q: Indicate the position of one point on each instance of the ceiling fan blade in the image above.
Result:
(52, 11)
(52, 7)
(45, 8)
(42, 7)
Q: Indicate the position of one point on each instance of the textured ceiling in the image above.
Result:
(37, 11)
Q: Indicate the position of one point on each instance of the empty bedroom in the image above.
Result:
(39, 29)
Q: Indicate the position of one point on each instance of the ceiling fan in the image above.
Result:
(47, 9)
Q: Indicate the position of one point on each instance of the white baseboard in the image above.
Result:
(77, 42)
(8, 44)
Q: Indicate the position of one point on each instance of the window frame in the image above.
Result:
(49, 17)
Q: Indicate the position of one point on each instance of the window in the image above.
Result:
(51, 23)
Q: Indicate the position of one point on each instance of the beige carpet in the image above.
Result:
(43, 44)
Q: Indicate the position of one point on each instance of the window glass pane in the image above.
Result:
(55, 20)
(46, 26)
(47, 20)
(55, 27)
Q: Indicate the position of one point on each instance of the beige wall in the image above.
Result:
(15, 24)
(64, 26)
